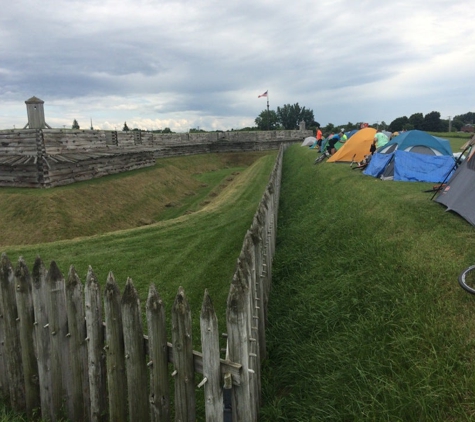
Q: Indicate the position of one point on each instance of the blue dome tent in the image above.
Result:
(413, 156)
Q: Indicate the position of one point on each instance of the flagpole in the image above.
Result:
(268, 113)
(266, 94)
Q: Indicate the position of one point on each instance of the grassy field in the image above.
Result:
(367, 320)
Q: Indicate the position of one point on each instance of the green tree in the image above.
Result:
(267, 120)
(349, 126)
(432, 122)
(417, 121)
(167, 130)
(457, 123)
(307, 116)
(444, 125)
(75, 124)
(380, 125)
(125, 128)
(289, 116)
(467, 118)
(329, 128)
(398, 124)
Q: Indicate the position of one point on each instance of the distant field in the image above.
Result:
(457, 139)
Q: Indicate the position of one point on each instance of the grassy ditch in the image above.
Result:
(193, 240)
(172, 187)
(196, 250)
(366, 319)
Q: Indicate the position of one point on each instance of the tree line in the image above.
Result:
(431, 122)
(289, 117)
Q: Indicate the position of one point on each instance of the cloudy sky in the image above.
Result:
(202, 63)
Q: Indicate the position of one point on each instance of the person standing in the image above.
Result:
(379, 140)
(343, 137)
(319, 137)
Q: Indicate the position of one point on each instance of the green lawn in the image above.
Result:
(367, 320)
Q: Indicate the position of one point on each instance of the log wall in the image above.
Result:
(44, 158)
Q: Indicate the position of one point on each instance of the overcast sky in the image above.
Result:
(202, 63)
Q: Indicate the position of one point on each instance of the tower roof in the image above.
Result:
(34, 100)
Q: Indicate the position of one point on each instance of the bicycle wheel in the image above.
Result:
(467, 279)
(320, 159)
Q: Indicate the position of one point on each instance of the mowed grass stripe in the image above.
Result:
(127, 200)
(197, 250)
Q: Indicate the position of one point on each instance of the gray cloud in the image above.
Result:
(182, 64)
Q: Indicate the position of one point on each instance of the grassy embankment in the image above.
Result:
(196, 210)
(367, 320)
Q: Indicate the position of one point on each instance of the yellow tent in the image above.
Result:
(355, 148)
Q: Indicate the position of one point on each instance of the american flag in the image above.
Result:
(263, 95)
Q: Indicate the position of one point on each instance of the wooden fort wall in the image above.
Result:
(42, 158)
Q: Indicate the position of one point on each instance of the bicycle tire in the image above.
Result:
(463, 280)
(320, 159)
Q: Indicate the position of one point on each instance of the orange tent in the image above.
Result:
(355, 148)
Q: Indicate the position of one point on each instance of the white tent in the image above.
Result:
(309, 141)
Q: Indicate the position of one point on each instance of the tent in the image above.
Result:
(418, 141)
(413, 156)
(355, 148)
(458, 195)
(309, 141)
(338, 145)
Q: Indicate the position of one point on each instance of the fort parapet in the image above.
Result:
(43, 158)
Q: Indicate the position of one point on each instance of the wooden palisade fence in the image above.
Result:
(70, 350)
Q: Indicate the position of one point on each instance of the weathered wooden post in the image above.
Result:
(211, 361)
(95, 348)
(135, 358)
(26, 315)
(4, 384)
(263, 276)
(58, 330)
(248, 270)
(256, 235)
(238, 345)
(116, 375)
(158, 353)
(78, 347)
(185, 399)
(42, 338)
(12, 337)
